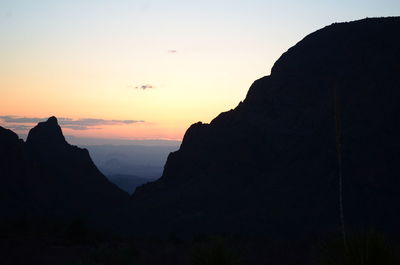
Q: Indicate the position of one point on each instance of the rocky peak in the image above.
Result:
(7, 135)
(8, 140)
(46, 133)
(47, 177)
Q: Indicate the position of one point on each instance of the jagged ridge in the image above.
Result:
(47, 177)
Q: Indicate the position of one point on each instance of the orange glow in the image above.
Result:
(169, 63)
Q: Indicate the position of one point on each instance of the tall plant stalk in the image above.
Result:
(339, 160)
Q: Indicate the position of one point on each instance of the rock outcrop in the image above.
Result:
(48, 178)
(270, 166)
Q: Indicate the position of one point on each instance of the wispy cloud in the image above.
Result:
(16, 119)
(172, 51)
(22, 123)
(144, 87)
(18, 127)
(89, 123)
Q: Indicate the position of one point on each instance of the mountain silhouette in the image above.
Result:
(47, 177)
(312, 151)
(271, 165)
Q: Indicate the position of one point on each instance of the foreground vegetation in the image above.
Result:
(73, 243)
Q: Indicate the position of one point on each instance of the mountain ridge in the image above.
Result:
(270, 165)
(47, 177)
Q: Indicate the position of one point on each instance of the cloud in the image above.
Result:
(144, 87)
(79, 127)
(18, 127)
(89, 123)
(20, 123)
(172, 51)
(16, 119)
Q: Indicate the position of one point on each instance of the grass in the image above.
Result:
(215, 252)
(364, 249)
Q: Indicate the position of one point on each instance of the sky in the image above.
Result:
(137, 70)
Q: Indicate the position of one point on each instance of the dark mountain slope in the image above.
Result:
(49, 178)
(270, 166)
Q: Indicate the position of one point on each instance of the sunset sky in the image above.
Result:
(147, 69)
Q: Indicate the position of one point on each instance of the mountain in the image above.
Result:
(138, 160)
(47, 177)
(328, 113)
(128, 183)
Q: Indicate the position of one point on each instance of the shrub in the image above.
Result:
(366, 249)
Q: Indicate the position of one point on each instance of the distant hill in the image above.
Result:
(271, 165)
(47, 177)
(138, 160)
(128, 183)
